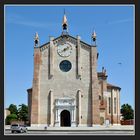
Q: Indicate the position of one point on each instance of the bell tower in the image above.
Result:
(36, 40)
(94, 83)
(64, 24)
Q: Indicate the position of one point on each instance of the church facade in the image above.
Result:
(67, 90)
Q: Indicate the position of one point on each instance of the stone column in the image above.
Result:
(73, 121)
(95, 112)
(79, 107)
(51, 109)
(35, 88)
(56, 115)
(72, 115)
(51, 57)
(78, 57)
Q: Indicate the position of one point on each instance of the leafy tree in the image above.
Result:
(23, 112)
(13, 109)
(127, 112)
(11, 117)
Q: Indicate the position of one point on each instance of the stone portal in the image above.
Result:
(65, 112)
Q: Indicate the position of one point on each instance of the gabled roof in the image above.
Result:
(57, 38)
(109, 86)
(112, 86)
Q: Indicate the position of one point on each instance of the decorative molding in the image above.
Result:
(44, 47)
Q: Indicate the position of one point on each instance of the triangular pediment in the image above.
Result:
(61, 38)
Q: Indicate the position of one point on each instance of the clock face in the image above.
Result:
(64, 50)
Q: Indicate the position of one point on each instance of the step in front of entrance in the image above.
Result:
(91, 128)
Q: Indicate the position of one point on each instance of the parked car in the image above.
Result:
(18, 128)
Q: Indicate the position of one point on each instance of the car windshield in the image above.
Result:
(14, 124)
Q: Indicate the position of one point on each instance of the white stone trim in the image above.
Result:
(39, 125)
(83, 125)
(117, 124)
(94, 125)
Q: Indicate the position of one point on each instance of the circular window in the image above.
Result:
(65, 65)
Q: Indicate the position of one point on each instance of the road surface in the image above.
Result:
(92, 132)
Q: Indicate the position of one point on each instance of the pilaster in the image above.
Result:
(118, 106)
(35, 88)
(51, 57)
(94, 88)
(78, 57)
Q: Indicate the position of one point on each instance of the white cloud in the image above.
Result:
(17, 19)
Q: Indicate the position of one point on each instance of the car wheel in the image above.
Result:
(21, 131)
(12, 131)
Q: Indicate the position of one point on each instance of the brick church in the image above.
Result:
(67, 90)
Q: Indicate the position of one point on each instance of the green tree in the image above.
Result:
(23, 112)
(13, 109)
(127, 112)
(11, 117)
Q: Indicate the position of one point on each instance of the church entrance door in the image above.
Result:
(65, 118)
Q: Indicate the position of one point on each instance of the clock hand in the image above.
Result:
(63, 50)
(66, 48)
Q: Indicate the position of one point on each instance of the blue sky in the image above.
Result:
(114, 27)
